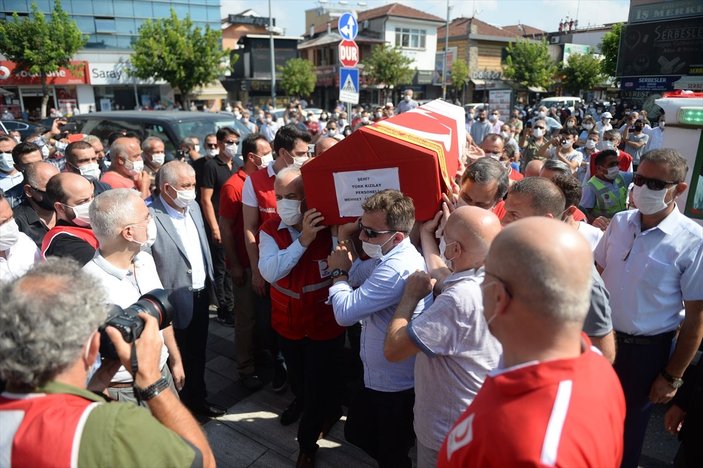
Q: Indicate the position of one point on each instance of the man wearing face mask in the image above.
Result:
(182, 257)
(380, 418)
(611, 140)
(495, 121)
(216, 172)
(480, 127)
(587, 151)
(10, 178)
(548, 367)
(603, 125)
(651, 260)
(532, 140)
(292, 258)
(125, 229)
(154, 155)
(97, 145)
(17, 251)
(635, 141)
(552, 124)
(451, 338)
(605, 194)
(81, 159)
(36, 215)
(258, 155)
(407, 103)
(127, 168)
(72, 236)
(656, 135)
(268, 128)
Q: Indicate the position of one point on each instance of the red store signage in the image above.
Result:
(10, 75)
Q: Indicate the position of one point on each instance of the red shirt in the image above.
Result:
(118, 181)
(579, 216)
(515, 175)
(499, 209)
(231, 209)
(565, 412)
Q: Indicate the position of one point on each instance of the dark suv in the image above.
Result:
(170, 126)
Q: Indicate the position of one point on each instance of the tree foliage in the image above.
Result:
(179, 53)
(388, 67)
(41, 47)
(529, 63)
(298, 77)
(609, 47)
(581, 73)
(460, 74)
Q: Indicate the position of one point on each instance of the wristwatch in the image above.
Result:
(675, 382)
(337, 272)
(146, 394)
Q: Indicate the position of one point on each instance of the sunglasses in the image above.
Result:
(211, 145)
(372, 233)
(541, 128)
(231, 142)
(652, 184)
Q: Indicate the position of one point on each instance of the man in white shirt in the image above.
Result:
(18, 253)
(651, 260)
(10, 178)
(450, 339)
(122, 224)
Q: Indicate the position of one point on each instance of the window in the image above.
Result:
(410, 38)
(105, 25)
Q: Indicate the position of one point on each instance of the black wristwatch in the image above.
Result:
(337, 272)
(146, 394)
(675, 382)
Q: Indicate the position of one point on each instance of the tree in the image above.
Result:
(609, 47)
(582, 73)
(175, 51)
(460, 75)
(388, 67)
(529, 63)
(298, 77)
(40, 47)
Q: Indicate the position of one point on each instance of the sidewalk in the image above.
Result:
(249, 435)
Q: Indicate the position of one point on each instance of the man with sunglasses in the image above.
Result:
(651, 260)
(562, 398)
(36, 215)
(532, 141)
(380, 419)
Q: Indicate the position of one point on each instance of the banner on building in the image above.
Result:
(76, 73)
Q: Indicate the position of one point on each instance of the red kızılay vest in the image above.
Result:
(83, 233)
(265, 194)
(43, 429)
(298, 308)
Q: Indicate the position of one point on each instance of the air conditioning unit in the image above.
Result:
(554, 40)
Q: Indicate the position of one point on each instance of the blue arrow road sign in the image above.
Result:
(348, 27)
(349, 85)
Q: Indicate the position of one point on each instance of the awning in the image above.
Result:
(536, 89)
(212, 91)
(490, 84)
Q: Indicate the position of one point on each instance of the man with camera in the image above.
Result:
(45, 359)
(123, 225)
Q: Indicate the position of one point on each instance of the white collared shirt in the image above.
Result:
(19, 258)
(124, 288)
(188, 233)
(649, 274)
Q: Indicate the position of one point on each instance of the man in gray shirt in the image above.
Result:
(635, 141)
(480, 127)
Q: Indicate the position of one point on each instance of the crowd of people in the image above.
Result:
(553, 299)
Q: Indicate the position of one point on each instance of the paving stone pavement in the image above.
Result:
(249, 435)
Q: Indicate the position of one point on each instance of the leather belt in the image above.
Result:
(645, 340)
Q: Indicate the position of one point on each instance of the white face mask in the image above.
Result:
(374, 250)
(197, 148)
(289, 211)
(588, 126)
(612, 173)
(82, 217)
(662, 124)
(449, 261)
(158, 158)
(649, 201)
(231, 150)
(566, 144)
(505, 135)
(607, 144)
(135, 167)
(542, 114)
(6, 162)
(212, 152)
(493, 118)
(9, 234)
(407, 98)
(298, 161)
(495, 156)
(151, 234)
(183, 197)
(537, 132)
(18, 139)
(569, 125)
(91, 170)
(590, 144)
(265, 160)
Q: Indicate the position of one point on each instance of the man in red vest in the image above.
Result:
(72, 236)
(293, 252)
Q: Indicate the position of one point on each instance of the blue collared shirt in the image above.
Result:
(381, 283)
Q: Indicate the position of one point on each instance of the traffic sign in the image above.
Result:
(349, 85)
(347, 27)
(348, 53)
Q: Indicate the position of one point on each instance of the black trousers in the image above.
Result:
(313, 373)
(192, 342)
(223, 282)
(381, 424)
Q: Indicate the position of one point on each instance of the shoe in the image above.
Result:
(305, 460)
(329, 422)
(226, 321)
(291, 414)
(204, 408)
(280, 378)
(251, 382)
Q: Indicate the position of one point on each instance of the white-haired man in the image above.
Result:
(127, 168)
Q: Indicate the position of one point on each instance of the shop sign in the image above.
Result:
(10, 75)
(648, 83)
(646, 10)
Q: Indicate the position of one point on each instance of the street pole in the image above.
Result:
(273, 59)
(444, 62)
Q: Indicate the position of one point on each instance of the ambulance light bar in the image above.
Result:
(691, 116)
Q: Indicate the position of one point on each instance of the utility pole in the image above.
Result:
(273, 59)
(446, 51)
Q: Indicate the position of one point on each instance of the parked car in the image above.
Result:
(561, 101)
(25, 128)
(170, 126)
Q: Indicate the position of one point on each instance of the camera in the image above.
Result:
(155, 303)
(182, 154)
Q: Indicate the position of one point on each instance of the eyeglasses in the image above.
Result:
(147, 220)
(211, 145)
(372, 233)
(501, 281)
(541, 128)
(652, 184)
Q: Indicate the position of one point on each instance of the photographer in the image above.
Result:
(45, 358)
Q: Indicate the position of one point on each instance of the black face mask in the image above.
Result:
(44, 202)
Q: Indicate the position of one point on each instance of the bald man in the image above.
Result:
(533, 168)
(554, 402)
(71, 195)
(451, 338)
(36, 215)
(323, 144)
(127, 168)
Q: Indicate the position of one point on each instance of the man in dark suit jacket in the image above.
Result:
(183, 260)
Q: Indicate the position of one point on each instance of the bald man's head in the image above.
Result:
(545, 266)
(534, 167)
(474, 229)
(323, 144)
